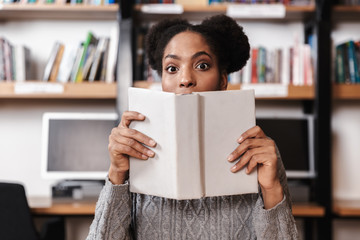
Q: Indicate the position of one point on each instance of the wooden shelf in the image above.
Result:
(47, 206)
(294, 92)
(71, 91)
(346, 91)
(347, 208)
(55, 11)
(308, 210)
(342, 12)
(201, 12)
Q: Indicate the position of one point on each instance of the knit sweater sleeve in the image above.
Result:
(277, 222)
(112, 214)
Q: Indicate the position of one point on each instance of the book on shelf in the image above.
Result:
(53, 62)
(96, 68)
(194, 133)
(67, 63)
(347, 62)
(90, 42)
(22, 63)
(112, 55)
(15, 62)
(287, 65)
(350, 2)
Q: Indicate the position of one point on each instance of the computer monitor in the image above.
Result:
(75, 145)
(294, 137)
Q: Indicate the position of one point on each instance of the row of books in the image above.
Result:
(347, 62)
(15, 63)
(187, 2)
(349, 2)
(293, 65)
(61, 2)
(92, 60)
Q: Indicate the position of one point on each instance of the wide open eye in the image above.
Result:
(171, 69)
(203, 66)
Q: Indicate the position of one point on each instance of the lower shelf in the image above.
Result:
(347, 208)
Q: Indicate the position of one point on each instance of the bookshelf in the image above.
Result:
(38, 27)
(346, 105)
(56, 11)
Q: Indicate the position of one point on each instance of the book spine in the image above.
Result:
(357, 57)
(189, 158)
(339, 65)
(2, 63)
(254, 56)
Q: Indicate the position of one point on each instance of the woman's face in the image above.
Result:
(188, 66)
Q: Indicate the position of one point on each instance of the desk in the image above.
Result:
(45, 206)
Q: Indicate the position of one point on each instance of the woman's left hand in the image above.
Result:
(256, 149)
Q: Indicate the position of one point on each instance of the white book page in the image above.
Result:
(174, 172)
(225, 116)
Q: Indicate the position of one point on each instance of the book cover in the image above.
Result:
(353, 64)
(105, 58)
(96, 66)
(76, 65)
(254, 57)
(67, 63)
(51, 61)
(112, 56)
(90, 40)
(194, 133)
(339, 65)
(57, 62)
(2, 63)
(20, 63)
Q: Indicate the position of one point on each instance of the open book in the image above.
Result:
(195, 133)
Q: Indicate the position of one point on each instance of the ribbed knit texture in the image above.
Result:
(123, 215)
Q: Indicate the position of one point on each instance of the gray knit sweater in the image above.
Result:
(123, 215)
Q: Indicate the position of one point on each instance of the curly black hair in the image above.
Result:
(224, 36)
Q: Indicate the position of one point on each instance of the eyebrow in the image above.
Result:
(193, 57)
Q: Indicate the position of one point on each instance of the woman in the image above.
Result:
(193, 58)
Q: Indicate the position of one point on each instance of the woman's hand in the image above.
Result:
(125, 142)
(256, 149)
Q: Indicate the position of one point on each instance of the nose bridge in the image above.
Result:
(187, 78)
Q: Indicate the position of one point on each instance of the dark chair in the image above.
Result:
(16, 221)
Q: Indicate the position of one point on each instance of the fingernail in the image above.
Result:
(141, 116)
(152, 143)
(230, 158)
(247, 171)
(144, 156)
(240, 139)
(150, 153)
(233, 168)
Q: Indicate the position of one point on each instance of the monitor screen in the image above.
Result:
(294, 139)
(75, 145)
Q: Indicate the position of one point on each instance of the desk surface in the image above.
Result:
(45, 206)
